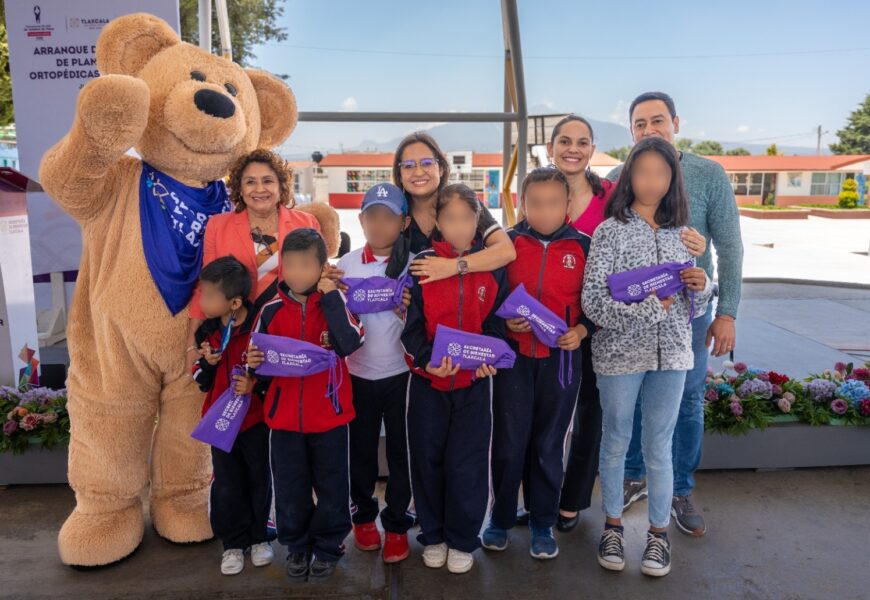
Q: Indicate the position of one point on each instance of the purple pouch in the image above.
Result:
(546, 325)
(470, 350)
(289, 357)
(375, 294)
(221, 423)
(635, 285)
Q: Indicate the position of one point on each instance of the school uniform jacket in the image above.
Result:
(215, 379)
(467, 302)
(301, 403)
(551, 269)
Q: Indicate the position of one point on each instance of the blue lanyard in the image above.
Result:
(227, 332)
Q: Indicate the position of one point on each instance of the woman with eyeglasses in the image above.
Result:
(260, 186)
(421, 170)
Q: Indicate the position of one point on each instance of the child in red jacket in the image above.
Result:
(309, 436)
(450, 409)
(241, 492)
(532, 409)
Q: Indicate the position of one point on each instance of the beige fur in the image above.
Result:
(131, 401)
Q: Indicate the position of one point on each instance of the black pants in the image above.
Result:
(449, 439)
(241, 492)
(531, 417)
(306, 462)
(585, 442)
(377, 401)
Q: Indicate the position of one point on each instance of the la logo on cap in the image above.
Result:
(382, 192)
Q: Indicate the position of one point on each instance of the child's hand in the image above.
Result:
(572, 338)
(484, 371)
(326, 285)
(332, 272)
(695, 278)
(447, 368)
(255, 357)
(206, 352)
(667, 302)
(518, 325)
(243, 384)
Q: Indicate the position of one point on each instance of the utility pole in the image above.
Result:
(819, 134)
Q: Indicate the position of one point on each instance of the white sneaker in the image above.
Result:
(262, 554)
(435, 556)
(459, 562)
(233, 561)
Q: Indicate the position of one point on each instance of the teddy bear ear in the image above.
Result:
(278, 113)
(127, 43)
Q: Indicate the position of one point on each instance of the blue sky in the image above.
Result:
(758, 71)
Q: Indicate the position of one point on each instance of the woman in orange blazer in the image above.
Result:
(260, 187)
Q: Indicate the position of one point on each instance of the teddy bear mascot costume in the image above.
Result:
(132, 403)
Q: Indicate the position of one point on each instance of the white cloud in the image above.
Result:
(619, 114)
(349, 104)
(742, 128)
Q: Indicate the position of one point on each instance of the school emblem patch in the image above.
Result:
(481, 293)
(569, 261)
(324, 340)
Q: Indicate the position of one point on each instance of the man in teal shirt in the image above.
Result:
(713, 212)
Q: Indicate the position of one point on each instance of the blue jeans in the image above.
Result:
(660, 393)
(689, 432)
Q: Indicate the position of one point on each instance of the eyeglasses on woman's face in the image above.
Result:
(426, 164)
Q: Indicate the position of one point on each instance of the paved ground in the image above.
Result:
(772, 535)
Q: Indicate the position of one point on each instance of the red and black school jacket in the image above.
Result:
(467, 302)
(215, 379)
(551, 269)
(301, 403)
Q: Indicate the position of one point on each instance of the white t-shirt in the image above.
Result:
(382, 354)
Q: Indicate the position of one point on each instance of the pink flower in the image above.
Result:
(29, 422)
(49, 417)
(740, 367)
(711, 395)
(736, 409)
(784, 405)
(764, 376)
(10, 427)
(776, 390)
(839, 406)
(865, 408)
(841, 367)
(788, 396)
(861, 373)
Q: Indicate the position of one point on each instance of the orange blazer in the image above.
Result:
(230, 234)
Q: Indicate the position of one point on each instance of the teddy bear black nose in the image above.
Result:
(214, 103)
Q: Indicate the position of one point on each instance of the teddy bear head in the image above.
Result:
(205, 111)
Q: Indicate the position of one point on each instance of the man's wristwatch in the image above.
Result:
(462, 266)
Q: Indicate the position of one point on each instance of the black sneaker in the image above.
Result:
(657, 556)
(321, 569)
(566, 524)
(611, 552)
(632, 491)
(297, 565)
(687, 519)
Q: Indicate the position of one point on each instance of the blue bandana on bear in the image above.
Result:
(174, 216)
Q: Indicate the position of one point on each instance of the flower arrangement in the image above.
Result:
(32, 415)
(740, 398)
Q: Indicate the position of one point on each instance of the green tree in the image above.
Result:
(849, 194)
(708, 148)
(738, 152)
(855, 136)
(685, 145)
(620, 153)
(7, 114)
(772, 150)
(252, 22)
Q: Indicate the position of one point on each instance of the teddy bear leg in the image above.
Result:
(110, 438)
(180, 466)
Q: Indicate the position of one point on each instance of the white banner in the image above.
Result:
(51, 56)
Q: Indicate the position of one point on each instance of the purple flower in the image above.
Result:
(821, 389)
(757, 387)
(736, 409)
(775, 389)
(839, 406)
(9, 427)
(711, 395)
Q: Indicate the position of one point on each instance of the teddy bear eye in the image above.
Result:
(197, 75)
(231, 89)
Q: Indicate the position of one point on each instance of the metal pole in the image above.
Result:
(205, 25)
(223, 19)
(509, 8)
(408, 117)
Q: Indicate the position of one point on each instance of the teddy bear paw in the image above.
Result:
(182, 519)
(92, 540)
